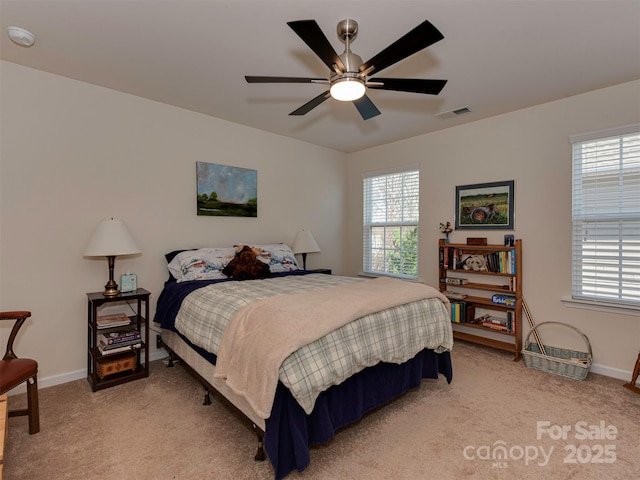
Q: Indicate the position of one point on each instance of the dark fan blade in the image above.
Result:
(251, 79)
(309, 31)
(366, 107)
(431, 87)
(420, 37)
(307, 107)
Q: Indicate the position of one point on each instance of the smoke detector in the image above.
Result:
(21, 37)
(453, 113)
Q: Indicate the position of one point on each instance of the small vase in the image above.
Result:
(446, 238)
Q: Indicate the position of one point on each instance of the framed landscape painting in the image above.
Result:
(485, 206)
(226, 191)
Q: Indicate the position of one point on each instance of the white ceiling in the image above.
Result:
(498, 56)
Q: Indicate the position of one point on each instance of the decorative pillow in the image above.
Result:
(201, 264)
(278, 256)
(171, 255)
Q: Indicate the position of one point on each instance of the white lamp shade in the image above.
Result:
(111, 238)
(305, 243)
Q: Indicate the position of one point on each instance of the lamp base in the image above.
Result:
(111, 289)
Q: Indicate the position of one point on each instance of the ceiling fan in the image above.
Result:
(349, 77)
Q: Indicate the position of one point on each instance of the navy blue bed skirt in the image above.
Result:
(290, 432)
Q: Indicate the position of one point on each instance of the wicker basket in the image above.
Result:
(559, 361)
(116, 365)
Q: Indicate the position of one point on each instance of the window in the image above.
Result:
(606, 216)
(391, 223)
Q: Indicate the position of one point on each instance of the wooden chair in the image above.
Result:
(634, 378)
(14, 371)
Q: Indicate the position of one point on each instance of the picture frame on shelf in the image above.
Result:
(485, 206)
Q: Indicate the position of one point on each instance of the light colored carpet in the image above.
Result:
(157, 429)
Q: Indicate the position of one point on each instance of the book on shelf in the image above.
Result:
(114, 320)
(454, 295)
(479, 319)
(106, 346)
(511, 325)
(470, 312)
(506, 300)
(456, 281)
(461, 311)
(497, 323)
(119, 338)
(495, 326)
(113, 351)
(444, 257)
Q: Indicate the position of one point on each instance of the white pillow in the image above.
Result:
(278, 256)
(201, 264)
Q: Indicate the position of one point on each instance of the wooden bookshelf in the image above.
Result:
(503, 276)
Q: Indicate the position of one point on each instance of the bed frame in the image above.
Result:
(427, 364)
(204, 371)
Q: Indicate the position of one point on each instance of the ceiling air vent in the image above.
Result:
(453, 113)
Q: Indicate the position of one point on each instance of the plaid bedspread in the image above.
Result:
(394, 335)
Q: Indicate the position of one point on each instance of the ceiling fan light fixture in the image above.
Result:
(347, 89)
(348, 76)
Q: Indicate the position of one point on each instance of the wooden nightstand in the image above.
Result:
(104, 367)
(326, 271)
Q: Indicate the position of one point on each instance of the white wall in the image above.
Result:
(73, 154)
(531, 147)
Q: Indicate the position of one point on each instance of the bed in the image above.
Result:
(354, 349)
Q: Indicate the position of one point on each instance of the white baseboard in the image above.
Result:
(160, 354)
(611, 372)
(44, 382)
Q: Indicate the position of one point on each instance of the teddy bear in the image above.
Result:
(246, 265)
(475, 262)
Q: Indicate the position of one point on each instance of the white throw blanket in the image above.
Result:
(262, 335)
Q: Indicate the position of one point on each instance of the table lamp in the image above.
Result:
(305, 243)
(110, 239)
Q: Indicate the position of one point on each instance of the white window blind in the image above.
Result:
(391, 213)
(606, 216)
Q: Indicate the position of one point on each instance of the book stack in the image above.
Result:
(458, 306)
(458, 310)
(454, 295)
(497, 323)
(115, 320)
(118, 342)
(462, 312)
